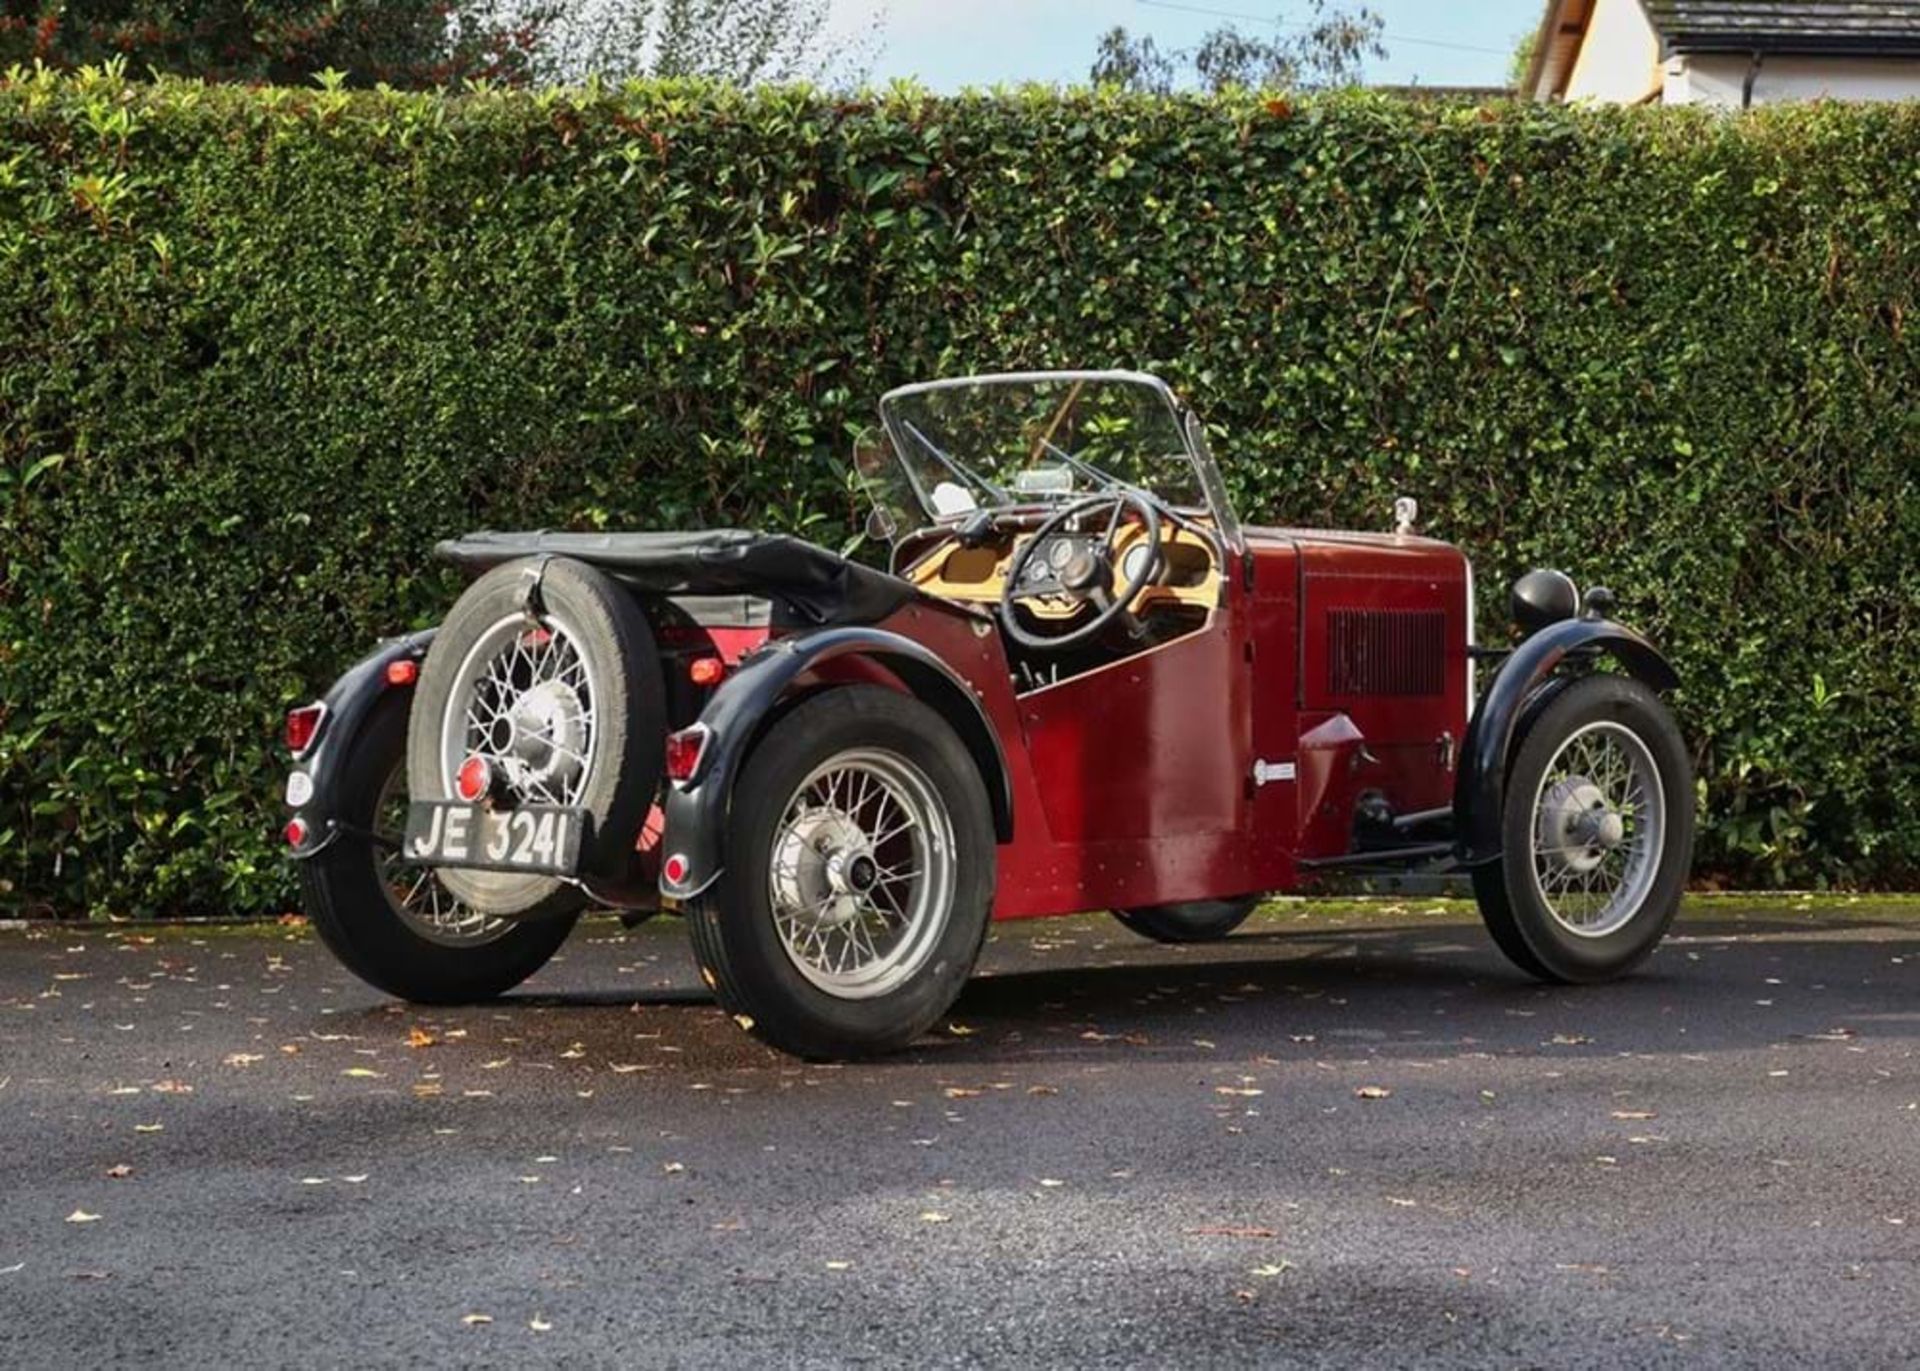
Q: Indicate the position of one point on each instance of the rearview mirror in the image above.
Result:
(882, 527)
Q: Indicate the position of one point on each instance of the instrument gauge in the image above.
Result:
(1133, 564)
(1059, 554)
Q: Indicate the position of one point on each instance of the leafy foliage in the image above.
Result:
(265, 346)
(407, 43)
(1330, 51)
(742, 41)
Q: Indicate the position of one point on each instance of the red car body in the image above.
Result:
(1166, 719)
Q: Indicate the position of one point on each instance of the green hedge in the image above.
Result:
(259, 349)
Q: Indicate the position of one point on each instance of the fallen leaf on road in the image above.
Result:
(1244, 1092)
(839, 1266)
(120, 1172)
(474, 1320)
(419, 1037)
(82, 1216)
(959, 1092)
(243, 1058)
(1272, 1269)
(539, 1325)
(933, 1216)
(1634, 1114)
(674, 1168)
(148, 1127)
(1374, 1092)
(364, 1073)
(745, 1021)
(959, 1030)
(172, 1088)
(1051, 1183)
(1403, 1203)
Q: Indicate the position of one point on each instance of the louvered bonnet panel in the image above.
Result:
(1386, 652)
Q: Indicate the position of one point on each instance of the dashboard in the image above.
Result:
(1188, 574)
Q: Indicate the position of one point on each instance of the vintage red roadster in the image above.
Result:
(1082, 685)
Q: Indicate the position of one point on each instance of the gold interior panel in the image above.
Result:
(977, 574)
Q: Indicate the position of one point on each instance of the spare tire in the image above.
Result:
(546, 668)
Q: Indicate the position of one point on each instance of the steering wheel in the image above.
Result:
(1087, 576)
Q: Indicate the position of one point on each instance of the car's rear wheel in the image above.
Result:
(1596, 834)
(564, 703)
(1192, 921)
(398, 927)
(858, 877)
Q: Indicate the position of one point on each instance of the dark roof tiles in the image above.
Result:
(1862, 27)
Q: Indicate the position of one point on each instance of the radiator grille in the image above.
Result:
(1386, 651)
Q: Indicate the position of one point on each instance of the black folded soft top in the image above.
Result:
(821, 586)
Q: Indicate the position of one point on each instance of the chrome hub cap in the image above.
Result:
(524, 703)
(1599, 827)
(1577, 825)
(548, 736)
(861, 874)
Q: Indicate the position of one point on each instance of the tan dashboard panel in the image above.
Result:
(977, 574)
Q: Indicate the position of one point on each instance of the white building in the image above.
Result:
(1726, 52)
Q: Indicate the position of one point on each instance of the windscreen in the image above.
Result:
(1000, 442)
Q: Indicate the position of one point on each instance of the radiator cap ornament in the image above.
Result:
(1406, 513)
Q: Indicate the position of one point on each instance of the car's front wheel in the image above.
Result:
(1596, 834)
(858, 878)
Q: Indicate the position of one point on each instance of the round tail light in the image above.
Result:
(474, 780)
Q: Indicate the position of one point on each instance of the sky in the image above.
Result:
(948, 44)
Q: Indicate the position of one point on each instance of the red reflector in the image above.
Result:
(474, 779)
(296, 832)
(302, 725)
(675, 869)
(706, 671)
(684, 750)
(403, 672)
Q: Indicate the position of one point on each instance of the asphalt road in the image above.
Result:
(1353, 1142)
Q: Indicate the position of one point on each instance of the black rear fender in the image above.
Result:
(751, 699)
(348, 705)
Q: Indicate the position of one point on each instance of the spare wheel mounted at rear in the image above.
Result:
(547, 672)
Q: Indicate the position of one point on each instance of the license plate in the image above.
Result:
(537, 838)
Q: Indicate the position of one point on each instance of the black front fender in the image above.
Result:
(348, 704)
(1523, 685)
(696, 811)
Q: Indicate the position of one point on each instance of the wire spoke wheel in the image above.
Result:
(861, 873)
(416, 894)
(1599, 829)
(524, 702)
